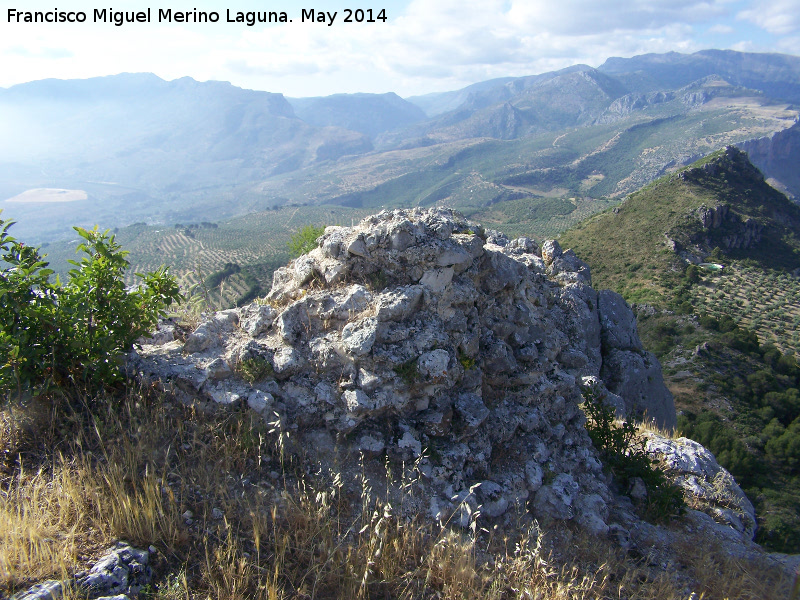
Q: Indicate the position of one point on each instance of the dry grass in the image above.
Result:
(130, 467)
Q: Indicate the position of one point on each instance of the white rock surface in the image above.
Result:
(426, 340)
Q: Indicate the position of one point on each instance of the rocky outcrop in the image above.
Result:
(707, 486)
(120, 574)
(627, 370)
(777, 156)
(625, 105)
(739, 233)
(419, 336)
(713, 218)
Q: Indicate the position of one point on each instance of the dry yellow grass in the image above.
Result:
(128, 467)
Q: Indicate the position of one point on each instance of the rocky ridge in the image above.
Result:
(421, 338)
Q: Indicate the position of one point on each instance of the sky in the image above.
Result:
(423, 46)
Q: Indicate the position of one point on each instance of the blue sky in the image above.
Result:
(424, 46)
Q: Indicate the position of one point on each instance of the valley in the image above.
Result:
(580, 134)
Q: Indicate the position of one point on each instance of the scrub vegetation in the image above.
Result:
(726, 338)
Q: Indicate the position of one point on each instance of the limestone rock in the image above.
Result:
(122, 572)
(218, 369)
(709, 487)
(617, 323)
(46, 590)
(637, 379)
(257, 318)
(551, 250)
(426, 340)
(210, 332)
(358, 337)
(434, 364)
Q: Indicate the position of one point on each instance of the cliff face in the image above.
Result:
(778, 155)
(420, 336)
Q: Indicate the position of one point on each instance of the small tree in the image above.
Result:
(305, 240)
(693, 274)
(623, 451)
(75, 332)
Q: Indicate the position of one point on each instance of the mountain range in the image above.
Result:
(562, 144)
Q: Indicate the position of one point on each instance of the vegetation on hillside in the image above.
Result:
(726, 339)
(256, 243)
(305, 240)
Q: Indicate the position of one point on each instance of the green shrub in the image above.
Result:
(622, 450)
(408, 371)
(377, 281)
(693, 274)
(785, 448)
(466, 361)
(255, 369)
(75, 332)
(305, 240)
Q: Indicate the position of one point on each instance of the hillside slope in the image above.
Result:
(641, 248)
(727, 338)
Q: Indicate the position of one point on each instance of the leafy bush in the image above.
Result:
(255, 369)
(75, 332)
(466, 361)
(622, 450)
(216, 278)
(305, 240)
(785, 447)
(408, 371)
(693, 274)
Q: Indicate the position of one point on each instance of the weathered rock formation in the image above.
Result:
(707, 487)
(419, 336)
(777, 156)
(739, 234)
(120, 574)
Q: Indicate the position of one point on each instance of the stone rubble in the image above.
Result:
(417, 338)
(419, 335)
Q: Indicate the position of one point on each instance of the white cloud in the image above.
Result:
(428, 46)
(722, 29)
(775, 16)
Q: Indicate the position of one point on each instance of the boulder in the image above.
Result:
(708, 487)
(637, 379)
(617, 323)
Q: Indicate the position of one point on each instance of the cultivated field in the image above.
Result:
(766, 302)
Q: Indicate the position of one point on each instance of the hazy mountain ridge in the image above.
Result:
(178, 147)
(777, 75)
(370, 114)
(144, 149)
